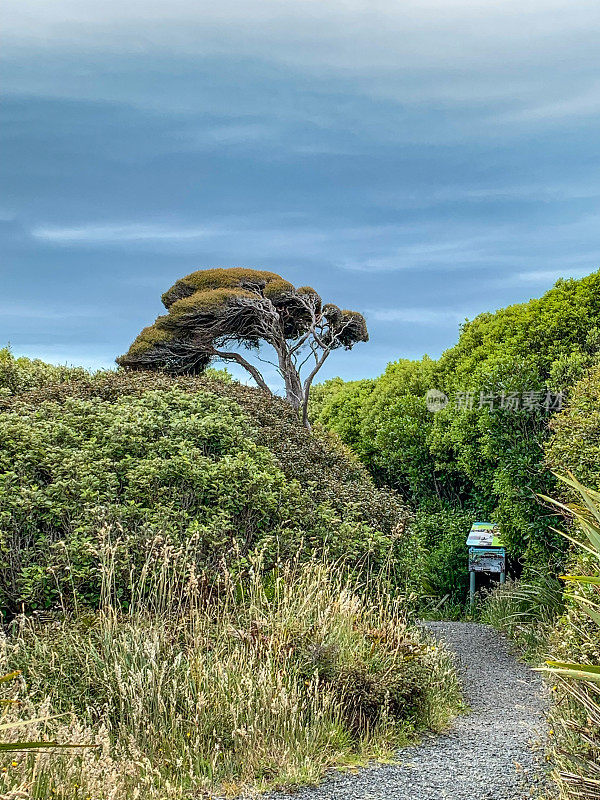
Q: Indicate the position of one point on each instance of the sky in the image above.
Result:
(420, 161)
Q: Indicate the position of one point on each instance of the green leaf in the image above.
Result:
(577, 542)
(10, 676)
(578, 672)
(590, 608)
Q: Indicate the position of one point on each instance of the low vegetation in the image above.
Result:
(24, 374)
(527, 612)
(201, 596)
(564, 630)
(257, 683)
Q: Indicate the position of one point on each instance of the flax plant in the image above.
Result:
(526, 611)
(576, 715)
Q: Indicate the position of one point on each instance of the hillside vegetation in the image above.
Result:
(198, 587)
(470, 458)
(215, 468)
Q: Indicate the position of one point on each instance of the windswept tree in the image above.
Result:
(215, 313)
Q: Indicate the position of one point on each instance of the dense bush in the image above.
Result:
(439, 551)
(22, 374)
(217, 467)
(575, 714)
(575, 444)
(339, 407)
(468, 458)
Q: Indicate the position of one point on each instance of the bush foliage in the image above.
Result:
(23, 374)
(489, 464)
(575, 444)
(220, 467)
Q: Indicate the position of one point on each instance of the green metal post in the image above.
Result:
(472, 588)
(502, 577)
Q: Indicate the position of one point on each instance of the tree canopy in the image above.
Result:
(214, 312)
(483, 454)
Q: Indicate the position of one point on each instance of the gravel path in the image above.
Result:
(486, 755)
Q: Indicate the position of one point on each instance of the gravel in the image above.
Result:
(487, 753)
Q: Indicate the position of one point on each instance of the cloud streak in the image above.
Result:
(119, 233)
(543, 277)
(524, 58)
(418, 159)
(418, 316)
(403, 247)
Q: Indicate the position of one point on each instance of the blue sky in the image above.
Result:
(418, 161)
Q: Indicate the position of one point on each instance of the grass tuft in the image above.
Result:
(251, 685)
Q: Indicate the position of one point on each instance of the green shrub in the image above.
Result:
(527, 612)
(575, 444)
(22, 374)
(217, 468)
(340, 409)
(441, 566)
(575, 650)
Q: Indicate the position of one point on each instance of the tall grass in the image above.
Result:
(526, 611)
(244, 685)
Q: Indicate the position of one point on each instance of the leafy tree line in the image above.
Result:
(484, 462)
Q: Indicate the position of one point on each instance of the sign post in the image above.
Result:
(486, 554)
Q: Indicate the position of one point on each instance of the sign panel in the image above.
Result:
(483, 559)
(484, 534)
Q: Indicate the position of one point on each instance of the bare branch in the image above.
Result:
(246, 365)
(307, 385)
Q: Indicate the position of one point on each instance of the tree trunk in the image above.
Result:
(293, 385)
(306, 390)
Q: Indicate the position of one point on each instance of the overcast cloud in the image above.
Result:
(421, 161)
